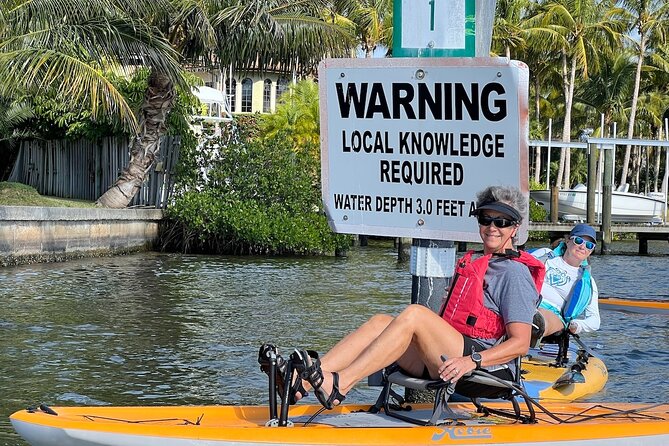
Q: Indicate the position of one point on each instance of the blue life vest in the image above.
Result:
(581, 293)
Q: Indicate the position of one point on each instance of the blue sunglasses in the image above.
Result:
(580, 240)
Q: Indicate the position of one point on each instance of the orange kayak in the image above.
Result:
(611, 424)
(635, 305)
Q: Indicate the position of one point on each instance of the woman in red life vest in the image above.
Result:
(492, 331)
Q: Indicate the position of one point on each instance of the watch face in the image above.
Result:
(476, 356)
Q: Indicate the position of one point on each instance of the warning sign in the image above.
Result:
(407, 143)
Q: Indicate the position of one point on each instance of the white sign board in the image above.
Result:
(440, 23)
(435, 28)
(407, 143)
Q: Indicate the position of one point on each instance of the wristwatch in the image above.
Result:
(476, 357)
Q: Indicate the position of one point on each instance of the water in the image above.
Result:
(153, 328)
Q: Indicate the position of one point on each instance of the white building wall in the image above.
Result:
(217, 80)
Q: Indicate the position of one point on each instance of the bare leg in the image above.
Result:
(345, 351)
(553, 323)
(417, 333)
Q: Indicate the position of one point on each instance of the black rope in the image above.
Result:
(318, 412)
(582, 417)
(120, 420)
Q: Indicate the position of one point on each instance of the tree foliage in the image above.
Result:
(68, 46)
(245, 195)
(297, 117)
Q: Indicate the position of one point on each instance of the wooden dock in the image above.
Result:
(644, 232)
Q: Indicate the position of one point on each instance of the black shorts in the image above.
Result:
(480, 390)
(473, 389)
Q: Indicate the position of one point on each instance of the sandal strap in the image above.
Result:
(313, 373)
(336, 394)
(328, 400)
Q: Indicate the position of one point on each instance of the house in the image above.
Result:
(248, 92)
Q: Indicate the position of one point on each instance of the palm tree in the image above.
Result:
(508, 30)
(577, 30)
(251, 34)
(297, 114)
(650, 19)
(373, 21)
(65, 47)
(12, 115)
(608, 91)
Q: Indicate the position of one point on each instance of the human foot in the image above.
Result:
(310, 371)
(296, 391)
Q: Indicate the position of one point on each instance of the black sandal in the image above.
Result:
(310, 371)
(281, 367)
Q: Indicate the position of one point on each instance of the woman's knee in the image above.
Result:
(380, 321)
(553, 323)
(416, 313)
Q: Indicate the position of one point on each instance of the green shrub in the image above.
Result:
(244, 195)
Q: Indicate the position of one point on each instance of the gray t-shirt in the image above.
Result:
(509, 292)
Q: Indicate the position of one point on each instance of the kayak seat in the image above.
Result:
(478, 385)
(562, 340)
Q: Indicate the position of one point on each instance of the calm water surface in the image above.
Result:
(172, 329)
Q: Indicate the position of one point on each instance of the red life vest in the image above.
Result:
(463, 306)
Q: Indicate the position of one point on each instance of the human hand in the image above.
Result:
(573, 327)
(455, 368)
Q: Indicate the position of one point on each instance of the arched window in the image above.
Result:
(247, 95)
(281, 87)
(267, 96)
(231, 91)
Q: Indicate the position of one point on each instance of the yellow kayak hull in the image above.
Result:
(540, 374)
(245, 425)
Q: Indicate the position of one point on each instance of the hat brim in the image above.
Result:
(503, 208)
(583, 230)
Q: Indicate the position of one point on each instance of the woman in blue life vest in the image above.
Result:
(418, 337)
(569, 293)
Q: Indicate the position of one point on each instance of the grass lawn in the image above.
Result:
(17, 194)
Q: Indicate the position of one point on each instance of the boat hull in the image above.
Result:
(345, 425)
(625, 207)
(635, 305)
(540, 374)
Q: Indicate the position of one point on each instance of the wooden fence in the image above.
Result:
(86, 169)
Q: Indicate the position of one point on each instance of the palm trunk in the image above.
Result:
(567, 125)
(537, 117)
(144, 146)
(635, 99)
(658, 159)
(567, 82)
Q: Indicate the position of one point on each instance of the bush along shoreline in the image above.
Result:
(240, 194)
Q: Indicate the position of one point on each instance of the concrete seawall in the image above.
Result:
(46, 234)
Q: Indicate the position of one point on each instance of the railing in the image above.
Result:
(606, 171)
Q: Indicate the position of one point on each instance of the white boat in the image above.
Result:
(625, 207)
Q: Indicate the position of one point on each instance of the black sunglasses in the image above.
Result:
(499, 222)
(580, 240)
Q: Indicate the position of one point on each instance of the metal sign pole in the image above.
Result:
(433, 261)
